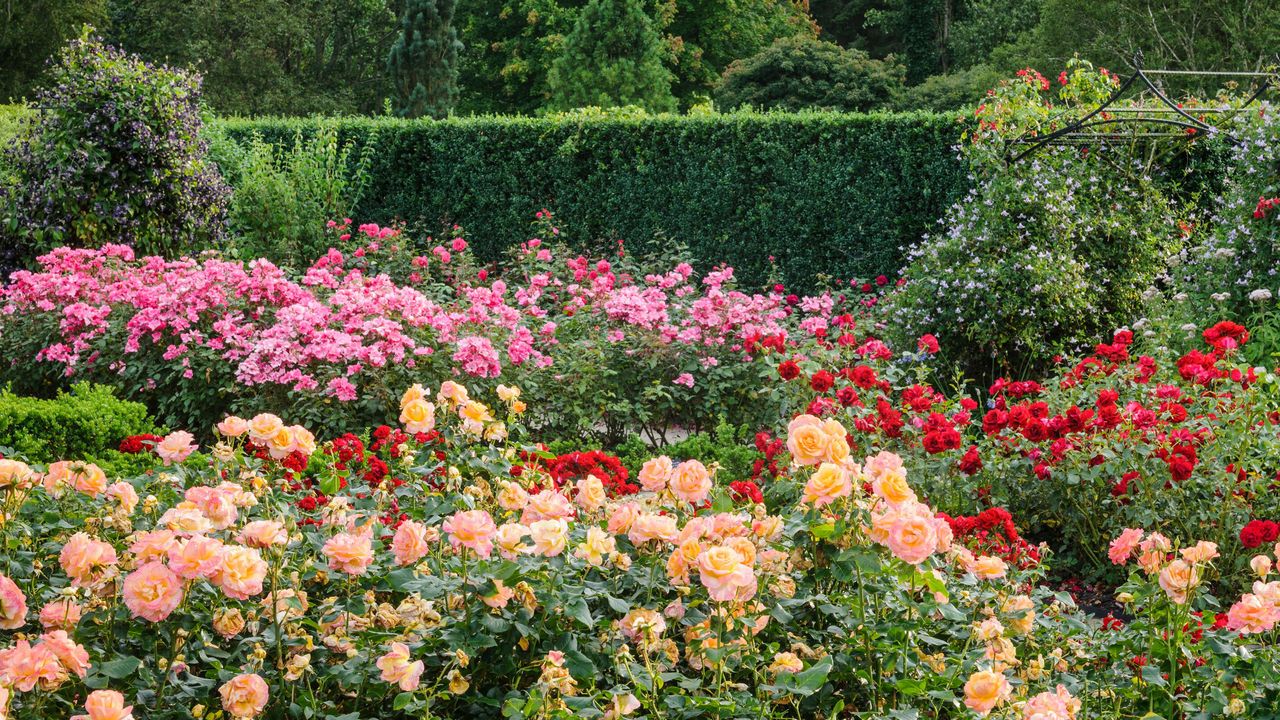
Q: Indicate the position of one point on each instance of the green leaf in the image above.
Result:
(122, 667)
(402, 701)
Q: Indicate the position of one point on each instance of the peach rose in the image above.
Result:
(233, 426)
(86, 478)
(623, 517)
(1057, 705)
(418, 416)
(1177, 580)
(472, 529)
(512, 497)
(891, 484)
(27, 667)
(105, 705)
(912, 538)
(176, 447)
(598, 546)
(451, 394)
(784, 663)
(550, 537)
(13, 605)
(1261, 565)
(410, 543)
(263, 427)
(303, 441)
(510, 539)
(828, 483)
(71, 654)
(1252, 615)
(590, 495)
(152, 592)
(807, 441)
(546, 505)
(1124, 545)
(196, 557)
(986, 689)
(215, 503)
(1201, 552)
(650, 526)
(61, 614)
(413, 393)
(655, 472)
(884, 463)
(125, 495)
(241, 573)
(508, 393)
(185, 517)
(351, 553)
(15, 473)
(86, 561)
(988, 567)
(263, 534)
(397, 668)
(500, 596)
(724, 574)
(228, 622)
(1020, 613)
(244, 696)
(281, 444)
(691, 482)
(152, 545)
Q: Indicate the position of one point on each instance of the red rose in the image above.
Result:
(789, 370)
(822, 381)
(927, 343)
(971, 462)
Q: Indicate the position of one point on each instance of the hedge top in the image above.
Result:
(837, 194)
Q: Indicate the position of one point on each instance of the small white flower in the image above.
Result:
(1220, 297)
(1260, 295)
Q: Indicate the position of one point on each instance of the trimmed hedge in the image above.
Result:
(85, 424)
(825, 193)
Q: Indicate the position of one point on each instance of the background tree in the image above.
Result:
(508, 48)
(424, 61)
(31, 31)
(797, 73)
(613, 57)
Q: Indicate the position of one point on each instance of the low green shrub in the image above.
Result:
(87, 423)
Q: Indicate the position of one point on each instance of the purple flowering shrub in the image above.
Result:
(115, 156)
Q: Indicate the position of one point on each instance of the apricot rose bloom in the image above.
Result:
(1123, 546)
(471, 529)
(244, 696)
(1177, 580)
(263, 427)
(86, 560)
(13, 605)
(829, 483)
(176, 447)
(152, 592)
(655, 473)
(807, 440)
(985, 690)
(241, 572)
(233, 426)
(351, 553)
(725, 574)
(1057, 705)
(411, 542)
(105, 705)
(418, 416)
(397, 667)
(691, 482)
(15, 473)
(263, 534)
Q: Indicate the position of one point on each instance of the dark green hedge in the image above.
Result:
(825, 193)
(84, 424)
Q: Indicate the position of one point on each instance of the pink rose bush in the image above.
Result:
(465, 578)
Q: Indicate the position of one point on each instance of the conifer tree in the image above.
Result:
(424, 60)
(612, 57)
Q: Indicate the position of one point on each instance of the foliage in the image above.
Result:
(798, 73)
(82, 424)
(952, 91)
(32, 32)
(424, 61)
(268, 56)
(281, 191)
(116, 158)
(15, 122)
(611, 58)
(823, 194)
(508, 48)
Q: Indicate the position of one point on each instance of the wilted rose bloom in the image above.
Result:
(244, 696)
(472, 529)
(61, 614)
(351, 553)
(228, 622)
(105, 705)
(785, 662)
(986, 689)
(263, 534)
(410, 543)
(512, 497)
(691, 482)
(13, 605)
(152, 591)
(241, 572)
(655, 473)
(829, 483)
(176, 447)
(642, 625)
(233, 426)
(621, 706)
(398, 668)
